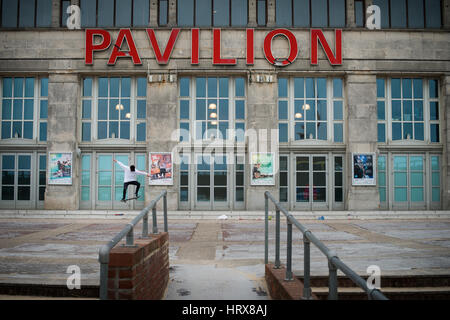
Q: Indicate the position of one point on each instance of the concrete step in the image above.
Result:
(389, 281)
(410, 293)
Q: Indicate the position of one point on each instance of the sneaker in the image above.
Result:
(136, 196)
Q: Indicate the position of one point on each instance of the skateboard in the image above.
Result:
(125, 200)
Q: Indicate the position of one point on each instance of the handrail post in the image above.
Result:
(145, 226)
(130, 237)
(266, 230)
(103, 281)
(289, 252)
(332, 281)
(306, 259)
(166, 227)
(277, 239)
(155, 225)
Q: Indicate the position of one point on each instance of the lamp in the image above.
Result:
(128, 115)
(119, 107)
(306, 107)
(298, 115)
(213, 115)
(214, 123)
(212, 106)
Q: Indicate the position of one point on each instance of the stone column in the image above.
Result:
(261, 119)
(446, 14)
(153, 13)
(63, 102)
(172, 13)
(351, 20)
(56, 13)
(252, 11)
(361, 135)
(162, 121)
(446, 142)
(271, 13)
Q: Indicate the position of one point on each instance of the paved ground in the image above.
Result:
(221, 259)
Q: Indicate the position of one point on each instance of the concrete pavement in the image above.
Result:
(221, 259)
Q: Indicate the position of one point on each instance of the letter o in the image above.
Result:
(293, 47)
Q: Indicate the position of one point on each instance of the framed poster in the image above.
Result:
(363, 169)
(60, 168)
(161, 165)
(262, 169)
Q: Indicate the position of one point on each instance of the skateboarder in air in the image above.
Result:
(130, 178)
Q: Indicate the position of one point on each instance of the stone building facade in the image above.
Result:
(388, 98)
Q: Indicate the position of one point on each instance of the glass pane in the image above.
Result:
(416, 194)
(380, 88)
(302, 179)
(203, 178)
(299, 132)
(302, 194)
(338, 195)
(220, 178)
(43, 110)
(103, 87)
(381, 110)
(105, 178)
(299, 91)
(337, 88)
(28, 130)
(9, 14)
(124, 130)
(319, 179)
(396, 88)
(105, 13)
(26, 13)
(283, 11)
(398, 14)
(28, 109)
(17, 109)
(23, 193)
(44, 13)
(359, 13)
(7, 177)
(322, 131)
(240, 87)
(43, 131)
(301, 13)
(201, 109)
(337, 13)
(6, 129)
(203, 13)
(382, 194)
(240, 110)
(319, 164)
(338, 132)
(319, 194)
(434, 110)
(184, 194)
(89, 13)
(18, 87)
(185, 12)
(400, 194)
(396, 131)
(382, 163)
(415, 14)
(125, 88)
(282, 87)
(434, 130)
(400, 179)
(283, 179)
(381, 132)
(223, 87)
(418, 88)
(7, 193)
(381, 179)
(141, 12)
(201, 87)
(261, 10)
(435, 163)
(29, 87)
(436, 195)
(397, 110)
(302, 164)
(310, 88)
(114, 87)
(407, 88)
(85, 162)
(221, 13)
(319, 13)
(282, 110)
(407, 110)
(104, 193)
(400, 163)
(17, 130)
(283, 194)
(283, 132)
(310, 130)
(220, 194)
(416, 163)
(7, 87)
(223, 109)
(203, 194)
(105, 162)
(310, 108)
(418, 110)
(419, 131)
(163, 13)
(321, 110)
(321, 88)
(184, 87)
(433, 13)
(85, 193)
(6, 109)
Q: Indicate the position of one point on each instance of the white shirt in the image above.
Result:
(130, 175)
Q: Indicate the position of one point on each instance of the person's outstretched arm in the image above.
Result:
(142, 173)
(121, 164)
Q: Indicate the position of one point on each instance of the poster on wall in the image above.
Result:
(60, 168)
(262, 165)
(363, 169)
(161, 168)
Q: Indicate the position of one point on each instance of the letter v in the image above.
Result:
(163, 59)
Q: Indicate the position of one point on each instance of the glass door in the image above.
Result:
(311, 182)
(212, 186)
(16, 181)
(110, 182)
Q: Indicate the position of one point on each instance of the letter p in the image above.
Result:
(91, 47)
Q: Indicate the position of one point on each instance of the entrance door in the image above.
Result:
(16, 180)
(311, 182)
(110, 182)
(212, 182)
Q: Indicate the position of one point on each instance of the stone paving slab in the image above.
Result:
(39, 251)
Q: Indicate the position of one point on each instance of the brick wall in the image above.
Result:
(141, 272)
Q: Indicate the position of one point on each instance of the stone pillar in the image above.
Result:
(252, 11)
(261, 119)
(63, 102)
(446, 14)
(153, 13)
(172, 13)
(271, 13)
(162, 98)
(361, 135)
(56, 13)
(351, 20)
(446, 142)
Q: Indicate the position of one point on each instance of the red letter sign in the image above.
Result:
(317, 35)
(163, 59)
(216, 48)
(250, 49)
(124, 34)
(194, 46)
(90, 47)
(293, 51)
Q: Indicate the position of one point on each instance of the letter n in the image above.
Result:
(316, 36)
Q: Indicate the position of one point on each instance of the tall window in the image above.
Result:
(64, 15)
(310, 109)
(360, 13)
(382, 183)
(410, 13)
(43, 109)
(163, 12)
(26, 13)
(218, 106)
(409, 107)
(114, 13)
(261, 11)
(205, 13)
(284, 178)
(310, 13)
(113, 108)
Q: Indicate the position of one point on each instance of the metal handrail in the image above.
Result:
(103, 255)
(334, 263)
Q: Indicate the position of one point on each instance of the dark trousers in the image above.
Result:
(125, 187)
